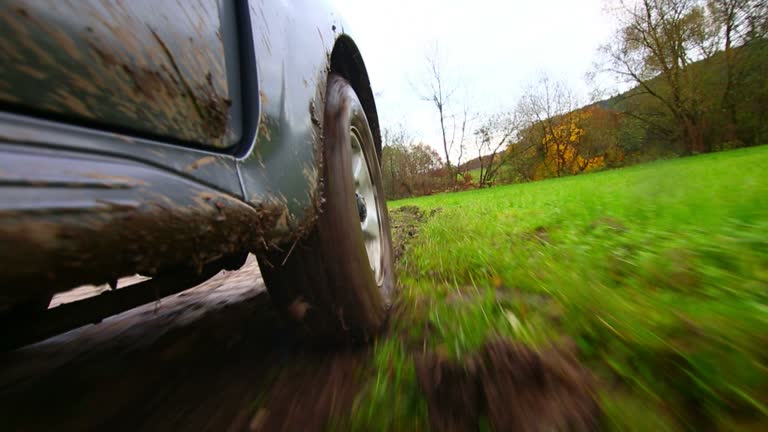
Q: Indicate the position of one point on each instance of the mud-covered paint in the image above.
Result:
(213, 169)
(292, 44)
(156, 67)
(68, 219)
(288, 51)
(295, 44)
(174, 205)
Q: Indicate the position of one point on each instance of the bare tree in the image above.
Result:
(465, 120)
(440, 92)
(737, 22)
(492, 139)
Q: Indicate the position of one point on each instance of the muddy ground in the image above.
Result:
(218, 358)
(212, 358)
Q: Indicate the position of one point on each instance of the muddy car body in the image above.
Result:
(164, 138)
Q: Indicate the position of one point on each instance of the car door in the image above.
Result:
(161, 75)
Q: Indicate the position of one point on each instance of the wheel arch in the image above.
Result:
(347, 61)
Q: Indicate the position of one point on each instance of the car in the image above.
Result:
(171, 139)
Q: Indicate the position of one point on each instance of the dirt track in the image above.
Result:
(212, 358)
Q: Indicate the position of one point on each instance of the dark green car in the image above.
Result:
(171, 139)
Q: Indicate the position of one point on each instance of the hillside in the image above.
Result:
(750, 90)
(635, 126)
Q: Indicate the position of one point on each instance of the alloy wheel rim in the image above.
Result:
(366, 200)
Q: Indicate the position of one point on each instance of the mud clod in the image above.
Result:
(453, 392)
(515, 387)
(311, 393)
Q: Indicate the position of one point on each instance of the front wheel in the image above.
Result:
(335, 284)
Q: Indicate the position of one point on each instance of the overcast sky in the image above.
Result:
(493, 48)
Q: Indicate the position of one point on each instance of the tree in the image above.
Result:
(408, 168)
(492, 139)
(601, 139)
(439, 95)
(548, 108)
(655, 45)
(439, 92)
(521, 162)
(465, 120)
(396, 140)
(557, 137)
(423, 173)
(735, 24)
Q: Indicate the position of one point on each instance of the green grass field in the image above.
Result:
(657, 273)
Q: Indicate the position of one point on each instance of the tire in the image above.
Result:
(326, 283)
